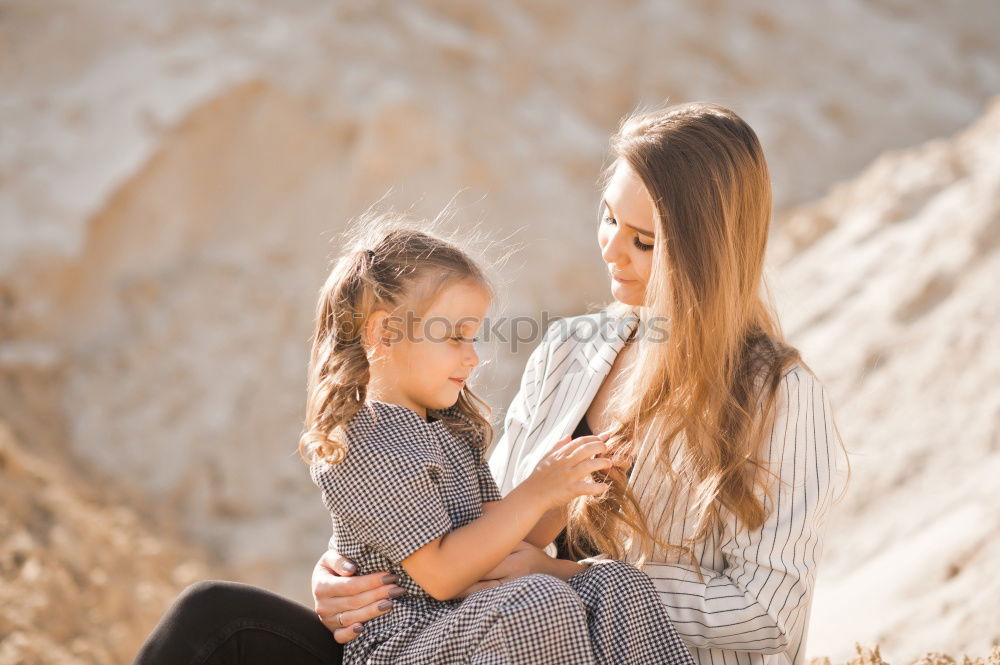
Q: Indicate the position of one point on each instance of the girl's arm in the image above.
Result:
(447, 565)
(548, 527)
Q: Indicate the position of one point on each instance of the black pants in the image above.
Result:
(212, 623)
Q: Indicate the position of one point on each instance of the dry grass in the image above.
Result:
(873, 657)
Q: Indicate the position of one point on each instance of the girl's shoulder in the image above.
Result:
(383, 437)
(386, 426)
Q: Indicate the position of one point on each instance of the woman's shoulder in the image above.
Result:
(799, 376)
(800, 397)
(585, 327)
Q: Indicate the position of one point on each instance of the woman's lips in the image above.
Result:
(457, 382)
(622, 281)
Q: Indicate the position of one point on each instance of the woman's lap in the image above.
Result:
(212, 623)
(216, 622)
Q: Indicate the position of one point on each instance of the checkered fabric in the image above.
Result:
(407, 481)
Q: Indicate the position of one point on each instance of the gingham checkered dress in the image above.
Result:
(407, 481)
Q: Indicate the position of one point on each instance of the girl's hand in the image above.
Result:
(344, 602)
(525, 560)
(564, 473)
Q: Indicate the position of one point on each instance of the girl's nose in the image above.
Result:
(471, 357)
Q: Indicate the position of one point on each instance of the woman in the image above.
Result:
(733, 451)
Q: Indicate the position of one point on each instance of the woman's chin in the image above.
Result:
(626, 294)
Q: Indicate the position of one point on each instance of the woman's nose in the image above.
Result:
(612, 252)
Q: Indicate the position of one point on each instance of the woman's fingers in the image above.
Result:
(342, 594)
(331, 587)
(337, 564)
(338, 622)
(345, 635)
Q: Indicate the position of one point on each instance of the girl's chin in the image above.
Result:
(446, 402)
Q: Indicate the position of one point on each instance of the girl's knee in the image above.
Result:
(615, 574)
(609, 568)
(551, 592)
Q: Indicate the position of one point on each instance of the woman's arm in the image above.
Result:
(760, 601)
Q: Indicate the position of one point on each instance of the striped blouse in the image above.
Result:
(752, 604)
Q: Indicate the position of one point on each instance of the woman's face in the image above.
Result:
(626, 234)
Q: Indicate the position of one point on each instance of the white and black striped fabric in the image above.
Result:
(752, 603)
(405, 482)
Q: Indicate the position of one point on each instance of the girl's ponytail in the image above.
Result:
(338, 369)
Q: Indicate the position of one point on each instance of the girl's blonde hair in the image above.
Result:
(389, 266)
(712, 386)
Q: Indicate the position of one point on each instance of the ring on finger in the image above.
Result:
(340, 619)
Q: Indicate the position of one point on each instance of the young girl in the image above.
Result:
(395, 440)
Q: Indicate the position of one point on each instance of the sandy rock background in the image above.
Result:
(173, 177)
(889, 287)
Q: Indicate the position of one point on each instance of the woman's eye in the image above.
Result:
(641, 245)
(608, 219)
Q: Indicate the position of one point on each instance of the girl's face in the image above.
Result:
(427, 367)
(627, 233)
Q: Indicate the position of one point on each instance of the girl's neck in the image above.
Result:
(388, 398)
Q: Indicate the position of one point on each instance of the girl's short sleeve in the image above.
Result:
(488, 488)
(387, 493)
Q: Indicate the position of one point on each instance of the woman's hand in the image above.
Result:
(344, 602)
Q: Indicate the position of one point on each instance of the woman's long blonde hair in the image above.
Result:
(387, 266)
(711, 388)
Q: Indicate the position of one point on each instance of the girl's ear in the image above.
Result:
(376, 335)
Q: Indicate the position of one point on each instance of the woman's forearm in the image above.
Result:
(450, 564)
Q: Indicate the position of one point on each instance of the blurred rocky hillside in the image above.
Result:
(174, 176)
(85, 572)
(889, 287)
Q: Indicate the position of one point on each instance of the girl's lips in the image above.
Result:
(458, 382)
(622, 281)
